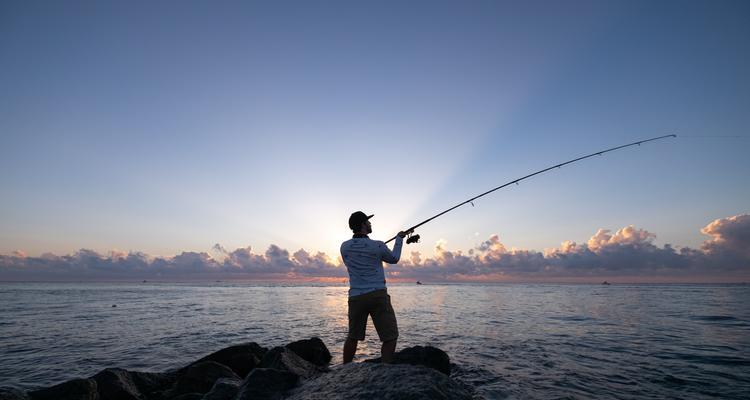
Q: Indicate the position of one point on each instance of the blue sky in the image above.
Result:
(169, 127)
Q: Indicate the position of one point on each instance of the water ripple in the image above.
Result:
(508, 341)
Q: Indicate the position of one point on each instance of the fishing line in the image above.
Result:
(415, 238)
(714, 136)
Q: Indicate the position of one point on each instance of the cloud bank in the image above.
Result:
(628, 253)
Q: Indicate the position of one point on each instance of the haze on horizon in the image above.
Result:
(187, 139)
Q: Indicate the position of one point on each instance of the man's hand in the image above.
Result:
(403, 234)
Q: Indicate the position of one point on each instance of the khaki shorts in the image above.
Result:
(376, 304)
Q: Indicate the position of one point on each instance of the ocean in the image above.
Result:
(509, 341)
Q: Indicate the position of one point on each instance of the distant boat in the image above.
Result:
(419, 283)
(144, 281)
(606, 283)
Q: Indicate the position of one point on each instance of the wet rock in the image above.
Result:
(299, 369)
(188, 396)
(116, 384)
(284, 359)
(200, 378)
(12, 394)
(121, 384)
(76, 389)
(370, 381)
(150, 382)
(223, 389)
(266, 384)
(312, 350)
(428, 356)
(240, 358)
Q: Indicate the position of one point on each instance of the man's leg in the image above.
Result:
(384, 319)
(387, 350)
(357, 325)
(350, 347)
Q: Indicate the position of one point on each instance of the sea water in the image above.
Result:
(507, 340)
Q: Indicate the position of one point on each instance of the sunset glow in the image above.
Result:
(136, 138)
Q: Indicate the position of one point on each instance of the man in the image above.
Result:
(368, 295)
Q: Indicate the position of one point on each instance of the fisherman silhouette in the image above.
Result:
(368, 295)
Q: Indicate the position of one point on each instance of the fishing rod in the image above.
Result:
(415, 238)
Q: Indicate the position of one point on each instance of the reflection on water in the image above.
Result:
(509, 341)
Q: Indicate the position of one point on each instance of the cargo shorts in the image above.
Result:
(376, 304)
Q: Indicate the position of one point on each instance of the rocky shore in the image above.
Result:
(299, 370)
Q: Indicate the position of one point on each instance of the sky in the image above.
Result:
(239, 133)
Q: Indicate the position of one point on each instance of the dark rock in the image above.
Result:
(223, 389)
(427, 356)
(241, 358)
(188, 396)
(200, 377)
(266, 384)
(149, 382)
(76, 389)
(116, 384)
(121, 384)
(369, 381)
(312, 350)
(283, 359)
(12, 394)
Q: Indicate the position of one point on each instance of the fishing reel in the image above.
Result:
(412, 238)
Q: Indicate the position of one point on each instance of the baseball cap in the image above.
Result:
(357, 218)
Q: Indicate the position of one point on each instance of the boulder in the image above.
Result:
(151, 382)
(371, 381)
(116, 384)
(240, 358)
(283, 359)
(427, 356)
(188, 396)
(312, 350)
(200, 378)
(223, 389)
(266, 384)
(76, 389)
(12, 394)
(121, 384)
(297, 371)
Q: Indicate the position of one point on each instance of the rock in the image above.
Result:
(284, 359)
(188, 396)
(150, 382)
(266, 384)
(312, 350)
(12, 394)
(223, 389)
(427, 356)
(297, 371)
(76, 389)
(200, 378)
(121, 384)
(240, 358)
(370, 381)
(116, 384)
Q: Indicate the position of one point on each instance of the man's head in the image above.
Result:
(359, 222)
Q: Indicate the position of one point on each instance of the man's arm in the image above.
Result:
(391, 257)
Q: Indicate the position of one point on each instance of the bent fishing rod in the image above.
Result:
(415, 238)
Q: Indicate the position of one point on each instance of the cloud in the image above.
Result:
(628, 236)
(628, 252)
(728, 235)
